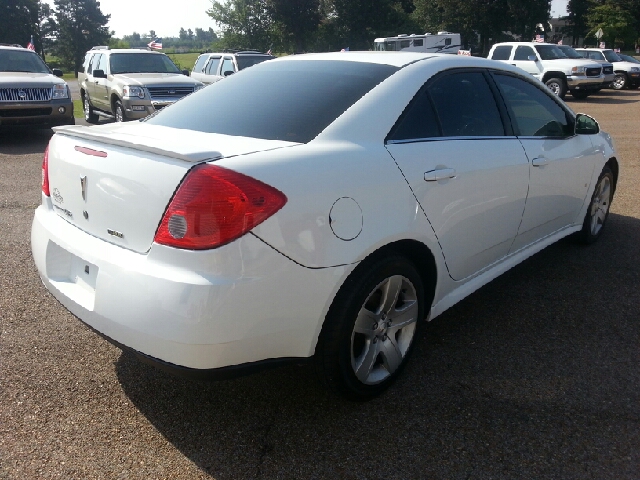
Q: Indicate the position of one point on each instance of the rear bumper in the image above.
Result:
(52, 113)
(239, 304)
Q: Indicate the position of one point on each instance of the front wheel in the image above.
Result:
(89, 114)
(598, 210)
(619, 81)
(370, 328)
(119, 112)
(557, 86)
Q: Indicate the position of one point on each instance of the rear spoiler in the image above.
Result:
(112, 136)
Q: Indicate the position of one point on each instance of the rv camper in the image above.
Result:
(443, 42)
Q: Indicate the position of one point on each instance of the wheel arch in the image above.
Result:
(612, 163)
(549, 75)
(112, 101)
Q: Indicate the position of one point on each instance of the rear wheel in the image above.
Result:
(89, 114)
(580, 94)
(370, 328)
(119, 112)
(620, 81)
(557, 86)
(598, 210)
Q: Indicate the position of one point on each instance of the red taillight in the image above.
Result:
(214, 206)
(45, 172)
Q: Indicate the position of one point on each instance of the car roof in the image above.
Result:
(124, 50)
(16, 47)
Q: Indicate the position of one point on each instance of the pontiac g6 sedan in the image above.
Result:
(316, 207)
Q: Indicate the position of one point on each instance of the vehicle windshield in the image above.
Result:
(279, 100)
(141, 63)
(21, 61)
(611, 56)
(570, 52)
(550, 52)
(385, 46)
(628, 58)
(247, 61)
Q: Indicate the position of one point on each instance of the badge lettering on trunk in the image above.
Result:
(83, 184)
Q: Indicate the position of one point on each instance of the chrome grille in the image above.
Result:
(169, 92)
(593, 72)
(607, 70)
(25, 94)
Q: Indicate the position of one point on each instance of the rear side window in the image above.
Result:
(277, 100)
(227, 65)
(212, 66)
(502, 52)
(418, 121)
(535, 112)
(523, 52)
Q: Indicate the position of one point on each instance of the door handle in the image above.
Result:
(539, 162)
(439, 174)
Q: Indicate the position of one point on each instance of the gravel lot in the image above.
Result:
(534, 376)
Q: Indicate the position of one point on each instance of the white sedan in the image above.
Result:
(316, 207)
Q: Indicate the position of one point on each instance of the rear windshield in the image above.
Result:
(21, 61)
(141, 63)
(245, 61)
(277, 100)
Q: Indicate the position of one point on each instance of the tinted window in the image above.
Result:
(465, 105)
(447, 41)
(523, 52)
(142, 63)
(405, 43)
(611, 56)
(279, 100)
(249, 61)
(502, 52)
(417, 121)
(596, 56)
(550, 52)
(21, 61)
(535, 112)
(569, 52)
(200, 63)
(418, 43)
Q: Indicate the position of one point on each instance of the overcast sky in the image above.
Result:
(166, 18)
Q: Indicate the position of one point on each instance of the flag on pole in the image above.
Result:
(540, 38)
(560, 42)
(345, 49)
(155, 44)
(31, 45)
(269, 52)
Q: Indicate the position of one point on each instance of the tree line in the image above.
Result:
(72, 27)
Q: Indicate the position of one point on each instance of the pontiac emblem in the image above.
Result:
(83, 184)
(56, 196)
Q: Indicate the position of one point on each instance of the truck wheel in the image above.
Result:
(119, 112)
(557, 86)
(89, 114)
(620, 81)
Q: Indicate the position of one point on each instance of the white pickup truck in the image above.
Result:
(549, 64)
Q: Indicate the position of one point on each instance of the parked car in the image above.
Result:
(627, 74)
(339, 201)
(30, 92)
(548, 63)
(211, 67)
(607, 68)
(129, 84)
(628, 58)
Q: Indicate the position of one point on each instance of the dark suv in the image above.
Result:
(31, 93)
(211, 67)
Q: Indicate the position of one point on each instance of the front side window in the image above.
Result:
(280, 100)
(503, 52)
(227, 66)
(465, 106)
(202, 59)
(93, 64)
(523, 52)
(535, 112)
(212, 66)
(103, 63)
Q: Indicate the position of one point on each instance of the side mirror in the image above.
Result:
(586, 125)
(57, 72)
(99, 74)
(227, 73)
(532, 58)
(185, 72)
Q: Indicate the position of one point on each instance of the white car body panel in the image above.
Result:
(265, 295)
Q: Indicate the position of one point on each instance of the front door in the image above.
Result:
(521, 60)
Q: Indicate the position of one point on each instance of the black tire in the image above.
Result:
(633, 87)
(598, 210)
(619, 81)
(360, 351)
(89, 114)
(557, 86)
(118, 112)
(580, 94)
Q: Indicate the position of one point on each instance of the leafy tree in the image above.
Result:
(578, 10)
(616, 24)
(244, 23)
(19, 19)
(183, 34)
(297, 20)
(81, 25)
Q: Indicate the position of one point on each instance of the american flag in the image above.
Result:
(346, 49)
(560, 42)
(540, 38)
(155, 44)
(31, 45)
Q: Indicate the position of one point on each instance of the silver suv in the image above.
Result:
(31, 93)
(129, 84)
(211, 67)
(627, 74)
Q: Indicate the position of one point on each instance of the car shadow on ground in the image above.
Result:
(24, 140)
(535, 375)
(608, 97)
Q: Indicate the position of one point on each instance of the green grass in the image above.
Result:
(78, 111)
(184, 61)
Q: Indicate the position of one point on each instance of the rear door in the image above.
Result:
(561, 163)
(469, 174)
